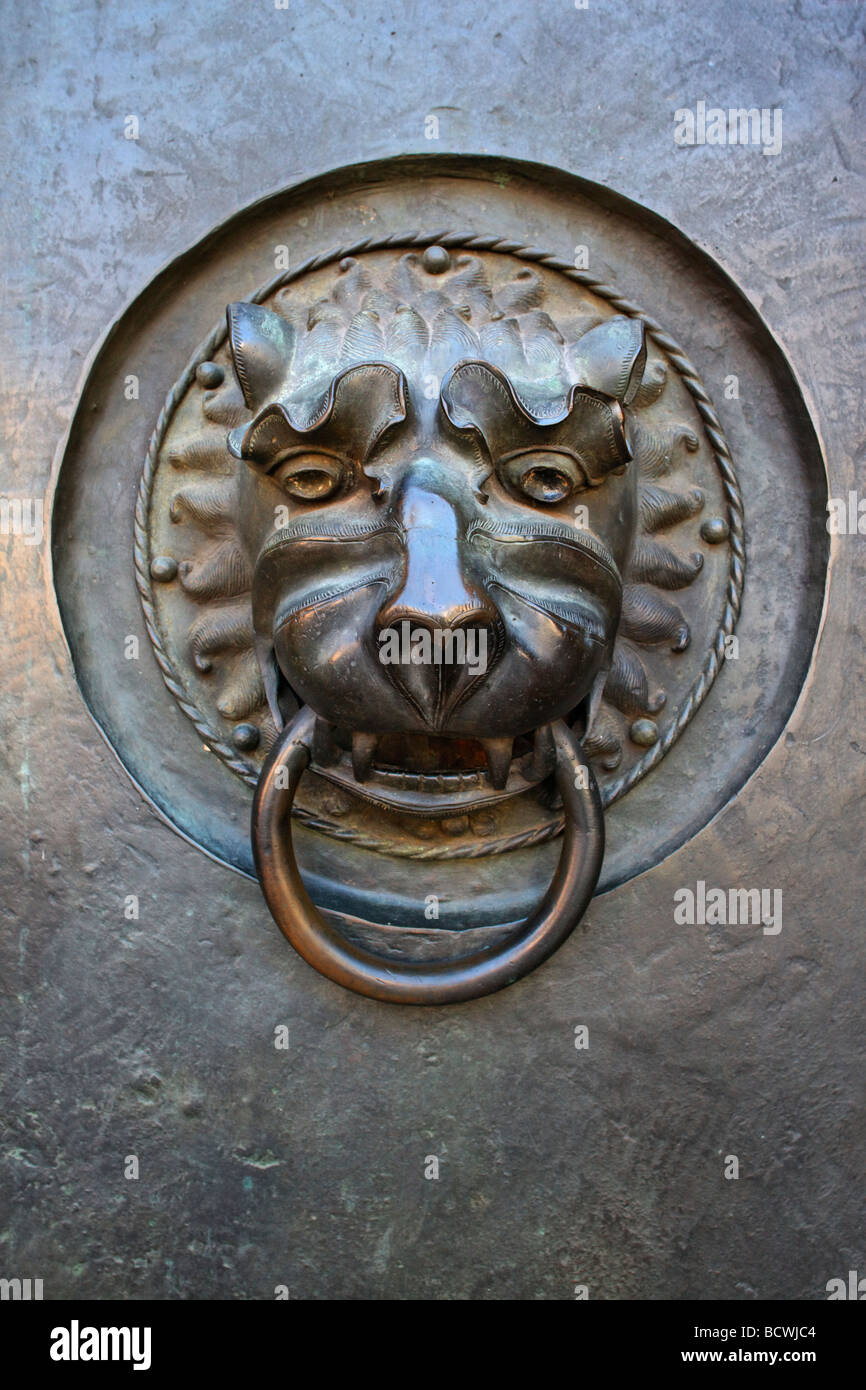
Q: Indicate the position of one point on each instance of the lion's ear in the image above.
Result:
(611, 358)
(262, 345)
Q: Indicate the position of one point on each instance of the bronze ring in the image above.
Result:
(443, 982)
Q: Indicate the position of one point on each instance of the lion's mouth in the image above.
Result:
(430, 774)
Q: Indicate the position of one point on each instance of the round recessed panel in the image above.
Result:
(724, 583)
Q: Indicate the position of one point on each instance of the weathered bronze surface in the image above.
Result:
(490, 861)
(443, 981)
(437, 437)
(426, 495)
(286, 1128)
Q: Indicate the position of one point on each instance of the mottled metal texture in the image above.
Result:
(782, 470)
(305, 1167)
(422, 457)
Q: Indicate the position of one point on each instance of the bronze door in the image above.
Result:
(433, 660)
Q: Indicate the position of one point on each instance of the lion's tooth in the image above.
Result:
(363, 749)
(544, 752)
(498, 754)
(595, 700)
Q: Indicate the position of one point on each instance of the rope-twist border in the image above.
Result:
(715, 434)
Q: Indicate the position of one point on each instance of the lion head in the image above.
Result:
(443, 525)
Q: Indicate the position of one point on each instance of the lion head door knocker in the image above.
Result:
(429, 501)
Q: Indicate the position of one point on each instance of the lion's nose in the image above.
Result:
(435, 591)
(444, 621)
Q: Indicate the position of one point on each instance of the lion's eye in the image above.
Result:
(545, 484)
(312, 477)
(547, 478)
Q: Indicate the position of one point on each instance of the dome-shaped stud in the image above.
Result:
(436, 260)
(715, 530)
(163, 569)
(209, 375)
(246, 737)
(644, 732)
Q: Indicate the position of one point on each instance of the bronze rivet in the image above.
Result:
(209, 374)
(715, 530)
(436, 260)
(163, 569)
(644, 732)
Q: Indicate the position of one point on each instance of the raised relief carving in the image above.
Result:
(437, 518)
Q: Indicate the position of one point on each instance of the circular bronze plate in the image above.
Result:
(145, 503)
